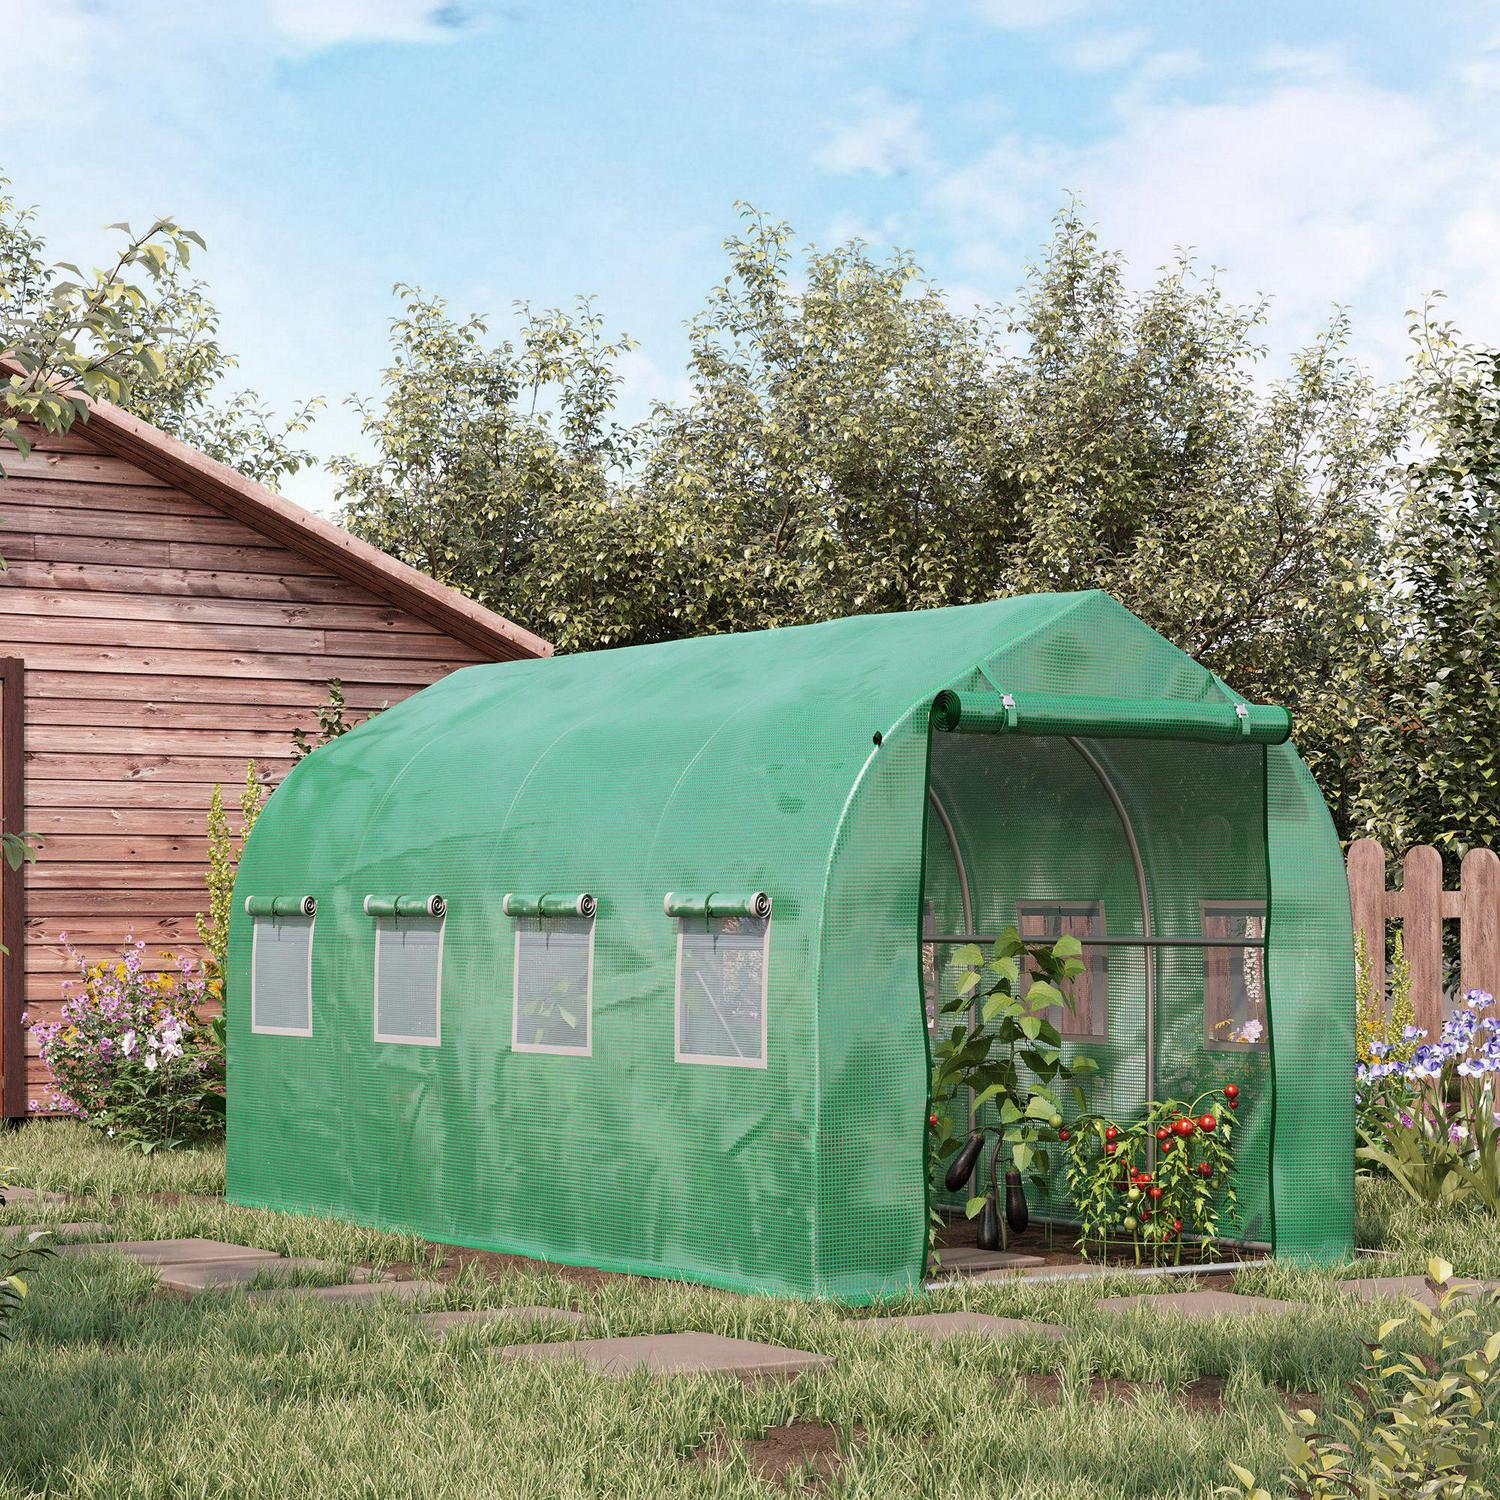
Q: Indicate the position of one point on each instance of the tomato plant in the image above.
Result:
(1152, 1180)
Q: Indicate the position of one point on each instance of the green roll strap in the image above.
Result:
(405, 906)
(1110, 718)
(717, 904)
(549, 904)
(281, 906)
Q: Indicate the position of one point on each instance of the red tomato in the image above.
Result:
(1204, 1170)
(1145, 1216)
(1167, 1144)
(1206, 1123)
(932, 1119)
(1110, 1149)
(1176, 1226)
(1154, 1193)
(1064, 1135)
(1163, 1133)
(1233, 1103)
(1184, 1128)
(1231, 1091)
(1111, 1134)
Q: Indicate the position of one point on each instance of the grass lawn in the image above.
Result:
(112, 1390)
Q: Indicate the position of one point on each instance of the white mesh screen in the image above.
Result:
(553, 984)
(408, 979)
(721, 989)
(281, 976)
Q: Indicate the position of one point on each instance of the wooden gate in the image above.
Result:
(1421, 905)
(12, 893)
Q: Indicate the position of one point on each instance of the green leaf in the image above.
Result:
(975, 1206)
(969, 956)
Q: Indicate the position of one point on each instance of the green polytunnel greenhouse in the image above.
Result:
(630, 959)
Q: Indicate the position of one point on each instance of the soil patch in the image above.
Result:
(812, 1447)
(1056, 1248)
(1296, 1401)
(492, 1264)
(1206, 1393)
(1048, 1389)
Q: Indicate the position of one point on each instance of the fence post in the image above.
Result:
(1479, 922)
(1367, 903)
(1421, 911)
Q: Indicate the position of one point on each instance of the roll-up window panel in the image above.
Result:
(717, 904)
(549, 904)
(281, 906)
(281, 971)
(405, 906)
(1110, 718)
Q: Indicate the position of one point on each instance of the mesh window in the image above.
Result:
(1089, 1013)
(1234, 979)
(721, 990)
(408, 979)
(554, 982)
(281, 976)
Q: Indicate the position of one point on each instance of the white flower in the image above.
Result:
(150, 1062)
(1249, 1032)
(127, 1044)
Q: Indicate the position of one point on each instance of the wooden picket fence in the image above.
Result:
(1421, 905)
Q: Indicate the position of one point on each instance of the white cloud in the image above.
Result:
(327, 23)
(886, 139)
(1315, 190)
(1104, 51)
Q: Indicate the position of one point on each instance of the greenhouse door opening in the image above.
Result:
(1152, 853)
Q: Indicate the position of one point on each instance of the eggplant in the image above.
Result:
(961, 1168)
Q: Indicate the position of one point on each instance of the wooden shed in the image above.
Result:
(164, 620)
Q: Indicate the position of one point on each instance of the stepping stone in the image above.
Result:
(1377, 1288)
(172, 1252)
(14, 1195)
(190, 1277)
(676, 1354)
(969, 1258)
(441, 1323)
(60, 1231)
(947, 1325)
(353, 1291)
(1202, 1304)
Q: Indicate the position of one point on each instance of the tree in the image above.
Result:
(478, 445)
(1433, 754)
(137, 333)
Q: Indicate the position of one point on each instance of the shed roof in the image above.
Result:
(116, 432)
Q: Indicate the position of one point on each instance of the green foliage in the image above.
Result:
(1153, 1182)
(131, 1054)
(999, 1027)
(138, 333)
(224, 849)
(19, 1258)
(1382, 1031)
(1423, 1420)
(487, 455)
(332, 723)
(1431, 1119)
(18, 849)
(1434, 756)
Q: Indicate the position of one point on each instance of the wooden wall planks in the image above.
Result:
(165, 643)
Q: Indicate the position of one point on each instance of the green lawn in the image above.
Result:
(112, 1390)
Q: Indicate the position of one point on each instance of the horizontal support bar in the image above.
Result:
(1230, 723)
(984, 941)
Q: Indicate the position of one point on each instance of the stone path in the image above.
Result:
(440, 1324)
(677, 1354)
(192, 1277)
(58, 1231)
(14, 1195)
(968, 1261)
(171, 1252)
(1395, 1288)
(351, 1291)
(1201, 1303)
(947, 1325)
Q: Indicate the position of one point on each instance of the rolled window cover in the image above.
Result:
(1110, 718)
(281, 906)
(405, 906)
(549, 904)
(717, 904)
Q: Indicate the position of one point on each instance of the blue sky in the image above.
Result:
(492, 150)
